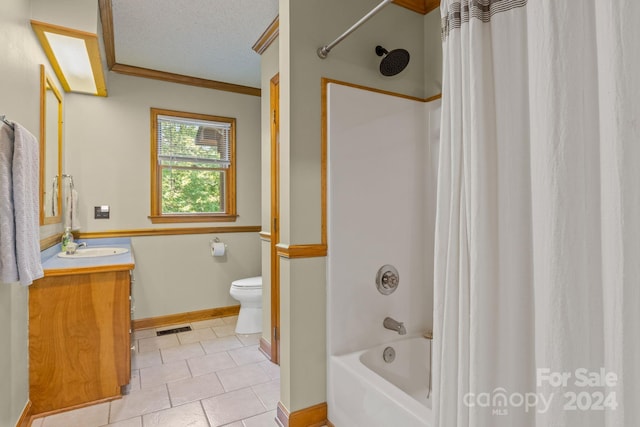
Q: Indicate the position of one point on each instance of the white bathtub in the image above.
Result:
(365, 391)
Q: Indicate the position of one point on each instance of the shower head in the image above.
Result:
(393, 62)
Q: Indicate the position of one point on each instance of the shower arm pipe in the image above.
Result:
(324, 50)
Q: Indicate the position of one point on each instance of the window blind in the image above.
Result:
(193, 142)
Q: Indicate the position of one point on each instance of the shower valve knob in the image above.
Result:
(387, 279)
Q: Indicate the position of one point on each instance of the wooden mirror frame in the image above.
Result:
(46, 84)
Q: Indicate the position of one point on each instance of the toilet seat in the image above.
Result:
(248, 283)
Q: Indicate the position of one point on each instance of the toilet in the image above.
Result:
(249, 293)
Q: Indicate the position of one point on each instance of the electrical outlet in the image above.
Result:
(101, 212)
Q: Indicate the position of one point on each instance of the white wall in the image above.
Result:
(76, 14)
(314, 24)
(108, 148)
(20, 102)
(177, 274)
(108, 154)
(305, 26)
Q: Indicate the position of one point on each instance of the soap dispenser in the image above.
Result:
(67, 237)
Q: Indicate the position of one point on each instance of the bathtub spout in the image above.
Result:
(394, 325)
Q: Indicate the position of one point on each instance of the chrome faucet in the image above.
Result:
(394, 325)
(73, 246)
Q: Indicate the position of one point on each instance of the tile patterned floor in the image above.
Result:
(207, 377)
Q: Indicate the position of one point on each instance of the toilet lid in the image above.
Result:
(248, 283)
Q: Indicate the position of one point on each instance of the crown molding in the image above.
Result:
(420, 6)
(106, 18)
(268, 37)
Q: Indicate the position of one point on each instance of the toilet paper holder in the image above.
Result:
(218, 248)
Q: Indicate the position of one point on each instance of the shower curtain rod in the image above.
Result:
(324, 50)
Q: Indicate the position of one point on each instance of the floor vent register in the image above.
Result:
(173, 331)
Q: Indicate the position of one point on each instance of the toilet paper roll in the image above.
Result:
(218, 249)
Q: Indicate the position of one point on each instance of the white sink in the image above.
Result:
(93, 252)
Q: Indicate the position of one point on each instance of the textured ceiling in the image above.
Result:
(209, 39)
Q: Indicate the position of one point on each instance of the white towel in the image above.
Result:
(71, 209)
(26, 204)
(25, 169)
(8, 264)
(75, 223)
(54, 197)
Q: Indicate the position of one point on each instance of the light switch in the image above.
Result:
(101, 212)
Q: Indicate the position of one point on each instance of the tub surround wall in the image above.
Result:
(379, 171)
(381, 210)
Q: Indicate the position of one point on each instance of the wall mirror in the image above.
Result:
(50, 150)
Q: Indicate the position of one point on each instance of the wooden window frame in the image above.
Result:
(157, 217)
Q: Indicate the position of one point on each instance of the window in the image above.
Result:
(192, 167)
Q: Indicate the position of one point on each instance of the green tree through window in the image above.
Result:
(193, 165)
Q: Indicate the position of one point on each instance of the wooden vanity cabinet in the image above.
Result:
(79, 339)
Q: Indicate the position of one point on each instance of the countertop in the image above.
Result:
(53, 265)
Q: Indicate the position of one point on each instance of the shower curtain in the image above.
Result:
(537, 257)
